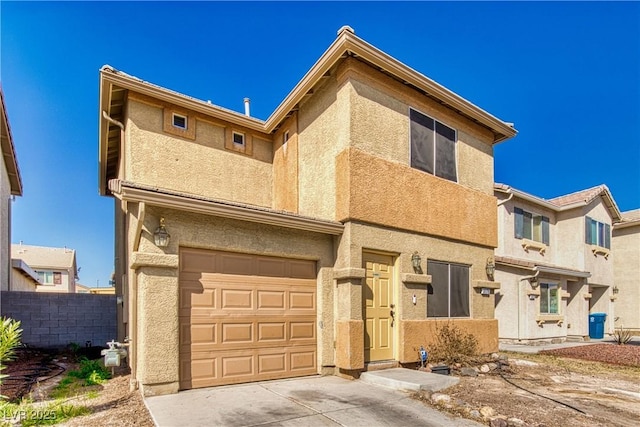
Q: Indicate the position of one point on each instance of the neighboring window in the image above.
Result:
(238, 138)
(45, 277)
(597, 233)
(531, 226)
(57, 278)
(433, 146)
(448, 293)
(548, 298)
(179, 121)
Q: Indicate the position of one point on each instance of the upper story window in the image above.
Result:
(448, 293)
(531, 226)
(50, 277)
(433, 146)
(238, 138)
(179, 121)
(597, 233)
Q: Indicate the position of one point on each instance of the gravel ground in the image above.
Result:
(628, 355)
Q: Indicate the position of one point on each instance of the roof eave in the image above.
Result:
(9, 151)
(349, 42)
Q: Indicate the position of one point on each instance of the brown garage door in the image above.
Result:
(245, 318)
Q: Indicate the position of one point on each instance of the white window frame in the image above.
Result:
(455, 145)
(233, 139)
(173, 121)
(548, 285)
(42, 276)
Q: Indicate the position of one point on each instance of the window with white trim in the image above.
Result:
(549, 298)
(448, 292)
(179, 121)
(433, 146)
(49, 277)
(531, 226)
(238, 139)
(597, 233)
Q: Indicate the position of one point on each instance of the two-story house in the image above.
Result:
(626, 270)
(335, 234)
(10, 186)
(554, 263)
(54, 269)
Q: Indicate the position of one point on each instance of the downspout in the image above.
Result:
(9, 275)
(502, 202)
(535, 277)
(121, 126)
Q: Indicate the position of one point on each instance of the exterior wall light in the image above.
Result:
(415, 262)
(161, 236)
(615, 290)
(490, 267)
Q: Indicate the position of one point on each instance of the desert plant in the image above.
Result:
(452, 345)
(10, 333)
(622, 336)
(90, 372)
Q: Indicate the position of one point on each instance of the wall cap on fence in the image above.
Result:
(146, 259)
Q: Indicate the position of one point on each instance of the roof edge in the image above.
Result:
(9, 151)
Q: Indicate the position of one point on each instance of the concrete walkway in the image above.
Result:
(308, 401)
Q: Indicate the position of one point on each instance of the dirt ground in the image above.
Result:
(528, 390)
(547, 390)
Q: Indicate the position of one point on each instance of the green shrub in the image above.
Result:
(10, 333)
(90, 372)
(29, 414)
(622, 336)
(453, 345)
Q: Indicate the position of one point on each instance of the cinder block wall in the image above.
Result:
(56, 319)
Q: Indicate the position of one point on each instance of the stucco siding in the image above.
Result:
(323, 126)
(601, 267)
(201, 166)
(20, 283)
(285, 166)
(626, 245)
(5, 255)
(378, 191)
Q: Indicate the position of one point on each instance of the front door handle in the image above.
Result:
(393, 317)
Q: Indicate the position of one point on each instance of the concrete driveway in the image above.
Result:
(308, 401)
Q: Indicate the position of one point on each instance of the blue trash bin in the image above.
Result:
(596, 325)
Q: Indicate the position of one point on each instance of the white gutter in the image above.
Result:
(537, 200)
(157, 197)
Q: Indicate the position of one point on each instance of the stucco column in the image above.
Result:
(349, 323)
(157, 323)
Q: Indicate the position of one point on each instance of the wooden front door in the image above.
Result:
(379, 307)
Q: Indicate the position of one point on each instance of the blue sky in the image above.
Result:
(567, 75)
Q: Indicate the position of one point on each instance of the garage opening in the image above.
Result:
(245, 318)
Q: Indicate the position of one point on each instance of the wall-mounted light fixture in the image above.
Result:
(415, 262)
(485, 292)
(490, 268)
(161, 236)
(615, 290)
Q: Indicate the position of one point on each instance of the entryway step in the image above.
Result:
(409, 379)
(377, 366)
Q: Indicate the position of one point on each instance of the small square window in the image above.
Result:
(238, 138)
(179, 121)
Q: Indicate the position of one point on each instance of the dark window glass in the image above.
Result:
(180, 122)
(238, 138)
(422, 128)
(445, 152)
(526, 231)
(545, 230)
(459, 285)
(438, 290)
(518, 222)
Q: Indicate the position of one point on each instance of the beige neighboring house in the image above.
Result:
(82, 289)
(555, 264)
(10, 186)
(626, 270)
(54, 269)
(336, 234)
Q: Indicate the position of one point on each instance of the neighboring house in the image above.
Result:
(555, 264)
(339, 232)
(10, 186)
(82, 289)
(626, 270)
(54, 268)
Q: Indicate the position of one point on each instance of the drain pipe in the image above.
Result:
(502, 202)
(121, 126)
(532, 277)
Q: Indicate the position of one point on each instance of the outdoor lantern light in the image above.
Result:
(490, 267)
(160, 236)
(615, 290)
(415, 261)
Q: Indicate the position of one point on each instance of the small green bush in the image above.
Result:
(10, 334)
(453, 345)
(90, 372)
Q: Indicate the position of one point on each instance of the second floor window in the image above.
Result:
(597, 233)
(50, 277)
(531, 226)
(433, 146)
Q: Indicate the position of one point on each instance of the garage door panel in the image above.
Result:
(237, 326)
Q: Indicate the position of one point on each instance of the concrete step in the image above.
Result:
(409, 379)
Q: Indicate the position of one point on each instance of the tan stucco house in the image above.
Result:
(335, 234)
(626, 270)
(52, 269)
(10, 186)
(555, 264)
